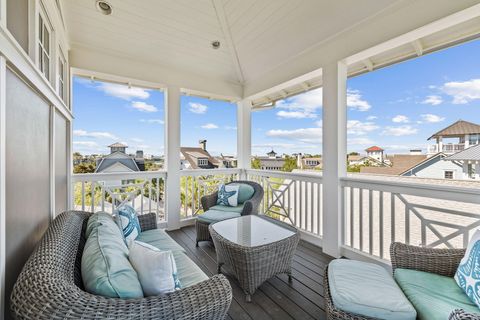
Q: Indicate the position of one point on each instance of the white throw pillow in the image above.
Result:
(156, 269)
(228, 195)
(468, 272)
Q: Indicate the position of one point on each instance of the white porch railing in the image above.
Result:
(107, 191)
(194, 184)
(292, 197)
(448, 148)
(377, 213)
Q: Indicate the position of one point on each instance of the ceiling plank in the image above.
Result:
(222, 19)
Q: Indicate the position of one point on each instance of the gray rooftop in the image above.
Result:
(472, 154)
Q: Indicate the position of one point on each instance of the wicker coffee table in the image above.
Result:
(254, 249)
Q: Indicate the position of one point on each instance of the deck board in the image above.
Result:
(277, 298)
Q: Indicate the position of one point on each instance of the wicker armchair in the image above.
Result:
(50, 284)
(440, 261)
(249, 207)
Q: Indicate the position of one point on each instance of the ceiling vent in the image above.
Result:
(104, 7)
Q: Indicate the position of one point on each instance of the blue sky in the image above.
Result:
(397, 108)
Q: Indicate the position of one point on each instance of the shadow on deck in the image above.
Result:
(276, 298)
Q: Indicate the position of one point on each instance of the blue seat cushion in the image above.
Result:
(106, 270)
(188, 272)
(220, 207)
(212, 216)
(245, 192)
(367, 289)
(433, 296)
(159, 239)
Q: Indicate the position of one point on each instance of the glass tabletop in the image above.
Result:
(251, 231)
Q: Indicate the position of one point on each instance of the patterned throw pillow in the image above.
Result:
(468, 272)
(156, 269)
(228, 195)
(128, 222)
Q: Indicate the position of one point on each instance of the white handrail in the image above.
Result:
(309, 176)
(206, 172)
(88, 177)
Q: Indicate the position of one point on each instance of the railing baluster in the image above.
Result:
(392, 217)
(381, 225)
(103, 198)
(92, 187)
(360, 218)
(370, 221)
(407, 224)
(150, 195)
(186, 198)
(83, 195)
(352, 219)
(193, 199)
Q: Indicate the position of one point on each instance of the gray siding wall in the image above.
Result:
(61, 152)
(28, 176)
(437, 170)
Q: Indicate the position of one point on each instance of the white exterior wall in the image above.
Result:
(437, 170)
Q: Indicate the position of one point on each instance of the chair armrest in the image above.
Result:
(440, 261)
(459, 314)
(148, 221)
(209, 201)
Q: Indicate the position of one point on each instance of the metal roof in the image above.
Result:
(458, 128)
(118, 145)
(471, 154)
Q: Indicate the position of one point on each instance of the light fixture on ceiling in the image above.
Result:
(104, 7)
(215, 44)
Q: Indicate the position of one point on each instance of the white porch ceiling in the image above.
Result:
(256, 35)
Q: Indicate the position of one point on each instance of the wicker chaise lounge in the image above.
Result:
(50, 284)
(249, 207)
(443, 262)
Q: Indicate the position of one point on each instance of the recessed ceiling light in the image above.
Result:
(104, 7)
(215, 44)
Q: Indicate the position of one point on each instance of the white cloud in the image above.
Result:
(209, 126)
(400, 119)
(463, 92)
(144, 107)
(356, 102)
(230, 128)
(307, 135)
(400, 131)
(356, 127)
(273, 145)
(153, 121)
(95, 134)
(359, 142)
(370, 118)
(87, 144)
(295, 114)
(431, 118)
(197, 108)
(434, 100)
(122, 91)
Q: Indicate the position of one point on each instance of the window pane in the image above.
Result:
(46, 44)
(46, 63)
(40, 29)
(40, 58)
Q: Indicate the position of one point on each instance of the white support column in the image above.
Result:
(172, 163)
(334, 154)
(3, 73)
(244, 135)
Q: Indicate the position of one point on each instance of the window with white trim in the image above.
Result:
(203, 162)
(62, 75)
(448, 175)
(44, 45)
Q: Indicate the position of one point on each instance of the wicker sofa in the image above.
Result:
(443, 262)
(50, 284)
(249, 207)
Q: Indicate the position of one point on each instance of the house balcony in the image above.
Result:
(447, 148)
(275, 50)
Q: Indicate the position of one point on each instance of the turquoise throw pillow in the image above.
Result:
(245, 192)
(128, 222)
(228, 195)
(468, 272)
(106, 270)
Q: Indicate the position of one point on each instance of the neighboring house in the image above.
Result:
(375, 153)
(435, 167)
(359, 160)
(466, 134)
(198, 157)
(399, 164)
(469, 161)
(271, 162)
(228, 161)
(119, 161)
(308, 163)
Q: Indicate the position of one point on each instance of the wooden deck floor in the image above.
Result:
(277, 298)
